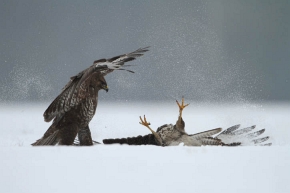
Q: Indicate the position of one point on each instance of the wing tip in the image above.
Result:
(47, 118)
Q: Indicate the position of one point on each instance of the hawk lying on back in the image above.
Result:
(75, 106)
(172, 135)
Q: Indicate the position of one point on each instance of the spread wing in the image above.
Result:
(244, 136)
(232, 136)
(76, 89)
(117, 62)
(205, 134)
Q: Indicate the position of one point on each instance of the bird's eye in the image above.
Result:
(102, 82)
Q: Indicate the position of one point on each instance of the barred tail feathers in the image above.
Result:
(139, 140)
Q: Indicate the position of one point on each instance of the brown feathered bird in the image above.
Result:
(75, 106)
(172, 135)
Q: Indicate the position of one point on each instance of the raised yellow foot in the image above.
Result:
(181, 106)
(146, 124)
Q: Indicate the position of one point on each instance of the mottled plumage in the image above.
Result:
(172, 135)
(75, 106)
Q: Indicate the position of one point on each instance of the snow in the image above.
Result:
(123, 168)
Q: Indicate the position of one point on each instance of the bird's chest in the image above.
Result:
(86, 111)
(169, 135)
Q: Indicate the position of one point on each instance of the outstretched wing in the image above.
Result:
(205, 134)
(232, 136)
(242, 136)
(76, 89)
(116, 63)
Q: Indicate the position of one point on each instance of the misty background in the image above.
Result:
(211, 51)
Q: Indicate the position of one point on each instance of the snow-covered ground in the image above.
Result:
(122, 168)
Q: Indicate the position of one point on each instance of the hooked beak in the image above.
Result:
(106, 88)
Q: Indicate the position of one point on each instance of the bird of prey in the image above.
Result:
(173, 135)
(75, 106)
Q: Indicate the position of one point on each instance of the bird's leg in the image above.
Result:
(180, 123)
(146, 124)
(85, 138)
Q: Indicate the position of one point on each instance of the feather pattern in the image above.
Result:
(205, 134)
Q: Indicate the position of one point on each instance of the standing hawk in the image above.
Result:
(173, 135)
(75, 106)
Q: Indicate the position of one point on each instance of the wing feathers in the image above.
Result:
(267, 144)
(261, 140)
(76, 89)
(210, 141)
(230, 130)
(50, 140)
(243, 131)
(255, 134)
(63, 102)
(208, 133)
(108, 65)
(100, 61)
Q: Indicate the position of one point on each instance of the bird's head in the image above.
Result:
(103, 84)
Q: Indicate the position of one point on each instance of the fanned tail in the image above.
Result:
(139, 140)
